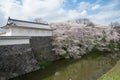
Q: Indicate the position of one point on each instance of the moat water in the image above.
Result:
(90, 67)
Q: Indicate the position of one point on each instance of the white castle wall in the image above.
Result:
(13, 40)
(30, 32)
(21, 31)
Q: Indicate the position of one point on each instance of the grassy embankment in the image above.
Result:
(113, 74)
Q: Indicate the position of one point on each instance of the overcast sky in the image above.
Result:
(100, 11)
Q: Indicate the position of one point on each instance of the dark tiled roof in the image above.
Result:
(27, 24)
(10, 19)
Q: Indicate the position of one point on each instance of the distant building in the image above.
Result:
(25, 28)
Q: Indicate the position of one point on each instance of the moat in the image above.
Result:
(90, 67)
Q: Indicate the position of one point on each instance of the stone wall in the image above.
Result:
(16, 60)
(42, 49)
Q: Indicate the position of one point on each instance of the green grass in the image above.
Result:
(44, 64)
(113, 74)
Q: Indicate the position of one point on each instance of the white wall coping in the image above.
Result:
(14, 40)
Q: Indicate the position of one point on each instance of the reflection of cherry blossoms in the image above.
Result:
(73, 40)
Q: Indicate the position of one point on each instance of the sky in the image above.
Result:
(98, 11)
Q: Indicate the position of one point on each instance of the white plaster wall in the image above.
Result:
(3, 34)
(14, 41)
(30, 32)
(7, 33)
(32, 25)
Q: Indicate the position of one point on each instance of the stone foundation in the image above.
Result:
(16, 60)
(42, 48)
(19, 59)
